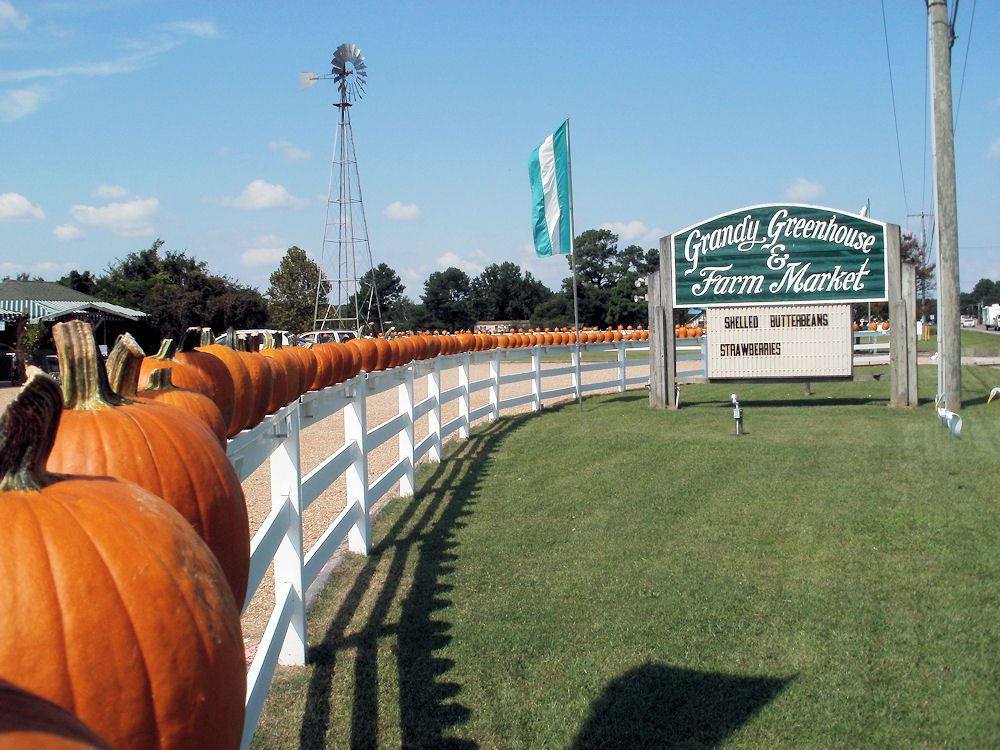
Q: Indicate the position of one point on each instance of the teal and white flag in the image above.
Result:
(552, 194)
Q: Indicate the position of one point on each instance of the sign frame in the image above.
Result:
(743, 303)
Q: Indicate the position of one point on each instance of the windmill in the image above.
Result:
(341, 302)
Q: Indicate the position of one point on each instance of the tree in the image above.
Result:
(446, 298)
(23, 276)
(389, 291)
(503, 292)
(176, 291)
(291, 296)
(912, 251)
(986, 292)
(84, 282)
(557, 310)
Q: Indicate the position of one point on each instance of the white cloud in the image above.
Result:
(201, 29)
(803, 190)
(110, 192)
(126, 64)
(67, 232)
(12, 17)
(468, 263)
(267, 250)
(131, 218)
(633, 231)
(260, 194)
(18, 103)
(994, 152)
(45, 266)
(289, 151)
(15, 207)
(399, 211)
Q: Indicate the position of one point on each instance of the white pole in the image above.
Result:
(572, 261)
(536, 380)
(406, 483)
(356, 431)
(434, 415)
(286, 491)
(495, 386)
(463, 398)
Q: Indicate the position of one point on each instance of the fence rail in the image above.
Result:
(278, 541)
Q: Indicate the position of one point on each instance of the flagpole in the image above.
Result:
(572, 263)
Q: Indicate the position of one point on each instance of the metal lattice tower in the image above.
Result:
(341, 302)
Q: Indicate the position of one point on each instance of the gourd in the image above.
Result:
(154, 446)
(210, 367)
(113, 608)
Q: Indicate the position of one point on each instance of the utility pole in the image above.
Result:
(949, 328)
(923, 260)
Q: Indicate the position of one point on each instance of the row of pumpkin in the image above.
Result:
(128, 542)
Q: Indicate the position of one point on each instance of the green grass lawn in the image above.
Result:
(641, 579)
(974, 344)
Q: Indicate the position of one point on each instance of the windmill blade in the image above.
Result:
(307, 79)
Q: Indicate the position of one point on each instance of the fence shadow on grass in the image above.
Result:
(658, 706)
(422, 540)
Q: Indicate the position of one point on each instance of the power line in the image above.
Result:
(965, 62)
(895, 119)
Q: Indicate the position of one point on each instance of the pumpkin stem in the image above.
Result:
(161, 379)
(166, 351)
(207, 337)
(84, 381)
(124, 366)
(27, 432)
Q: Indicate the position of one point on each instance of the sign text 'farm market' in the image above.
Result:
(779, 253)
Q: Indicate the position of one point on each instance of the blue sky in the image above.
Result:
(125, 121)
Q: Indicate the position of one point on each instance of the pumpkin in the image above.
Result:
(155, 446)
(352, 359)
(855, 327)
(184, 376)
(245, 411)
(395, 353)
(261, 378)
(113, 607)
(433, 346)
(885, 326)
(214, 371)
(161, 390)
(467, 342)
(697, 331)
(290, 364)
(28, 720)
(369, 353)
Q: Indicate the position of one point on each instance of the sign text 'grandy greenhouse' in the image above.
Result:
(779, 253)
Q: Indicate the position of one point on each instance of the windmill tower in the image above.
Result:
(342, 302)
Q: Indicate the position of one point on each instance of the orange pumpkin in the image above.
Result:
(290, 363)
(161, 390)
(113, 607)
(157, 447)
(261, 378)
(184, 376)
(30, 721)
(885, 325)
(244, 410)
(873, 326)
(214, 371)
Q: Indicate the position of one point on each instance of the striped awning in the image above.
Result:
(44, 310)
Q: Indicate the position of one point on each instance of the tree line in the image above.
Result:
(177, 290)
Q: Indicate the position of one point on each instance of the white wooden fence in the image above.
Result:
(276, 439)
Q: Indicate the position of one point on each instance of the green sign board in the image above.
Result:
(779, 253)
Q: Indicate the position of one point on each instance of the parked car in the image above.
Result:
(319, 337)
(968, 321)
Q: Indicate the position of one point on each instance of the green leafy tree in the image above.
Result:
(84, 282)
(177, 291)
(291, 295)
(503, 292)
(557, 310)
(912, 251)
(447, 300)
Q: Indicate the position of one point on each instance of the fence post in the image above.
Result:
(434, 415)
(621, 366)
(536, 381)
(704, 356)
(356, 431)
(405, 389)
(463, 399)
(286, 491)
(495, 386)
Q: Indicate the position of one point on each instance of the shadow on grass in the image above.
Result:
(422, 540)
(658, 706)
